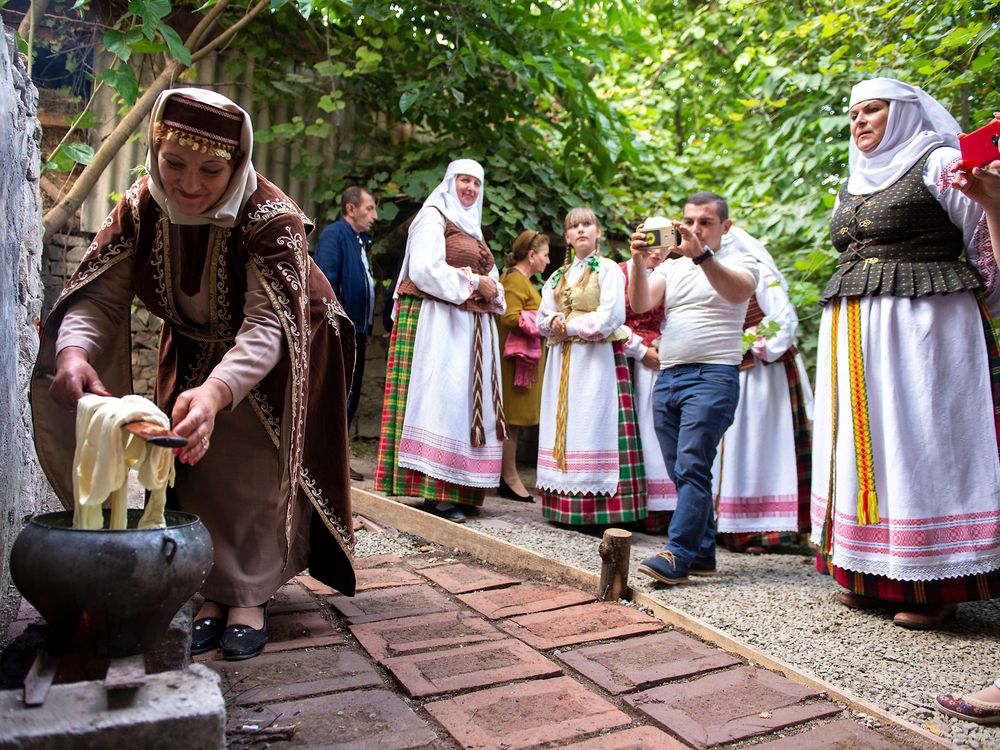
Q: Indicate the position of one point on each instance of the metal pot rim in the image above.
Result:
(62, 520)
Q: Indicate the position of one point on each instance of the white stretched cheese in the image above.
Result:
(105, 453)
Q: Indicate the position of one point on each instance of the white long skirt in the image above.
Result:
(591, 421)
(933, 436)
(755, 477)
(436, 436)
(661, 492)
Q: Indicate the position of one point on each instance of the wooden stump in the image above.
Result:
(614, 551)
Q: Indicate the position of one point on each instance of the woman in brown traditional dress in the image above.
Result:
(252, 364)
(519, 338)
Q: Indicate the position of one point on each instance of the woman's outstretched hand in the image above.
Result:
(194, 417)
(74, 377)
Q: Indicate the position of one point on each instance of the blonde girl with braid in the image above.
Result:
(589, 457)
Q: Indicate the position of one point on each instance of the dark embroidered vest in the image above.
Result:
(645, 325)
(897, 241)
(461, 250)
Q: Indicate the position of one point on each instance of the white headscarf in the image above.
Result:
(445, 199)
(917, 121)
(741, 240)
(244, 178)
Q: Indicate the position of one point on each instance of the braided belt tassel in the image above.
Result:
(867, 500)
(478, 433)
(562, 411)
(497, 398)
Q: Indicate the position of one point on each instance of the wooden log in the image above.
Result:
(615, 551)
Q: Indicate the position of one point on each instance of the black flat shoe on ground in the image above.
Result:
(205, 634)
(356, 476)
(240, 642)
(469, 510)
(506, 492)
(450, 513)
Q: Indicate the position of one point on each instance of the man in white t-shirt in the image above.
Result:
(705, 290)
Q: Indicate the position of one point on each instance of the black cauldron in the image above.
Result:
(109, 593)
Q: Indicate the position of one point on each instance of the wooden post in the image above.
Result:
(614, 551)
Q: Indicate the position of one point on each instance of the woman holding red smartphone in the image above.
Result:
(906, 468)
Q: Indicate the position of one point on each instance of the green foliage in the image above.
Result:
(749, 99)
(626, 106)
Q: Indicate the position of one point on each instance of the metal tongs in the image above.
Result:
(154, 434)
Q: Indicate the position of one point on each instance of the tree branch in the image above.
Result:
(229, 33)
(61, 213)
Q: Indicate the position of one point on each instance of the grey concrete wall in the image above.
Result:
(22, 488)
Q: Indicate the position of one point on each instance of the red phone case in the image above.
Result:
(981, 146)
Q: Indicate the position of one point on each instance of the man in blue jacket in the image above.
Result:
(342, 254)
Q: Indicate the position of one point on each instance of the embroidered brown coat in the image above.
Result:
(300, 404)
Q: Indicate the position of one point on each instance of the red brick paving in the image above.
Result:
(588, 622)
(291, 598)
(459, 578)
(525, 714)
(270, 678)
(389, 604)
(355, 720)
(842, 734)
(300, 630)
(623, 666)
(731, 705)
(389, 638)
(524, 599)
(382, 578)
(477, 666)
(376, 561)
(332, 695)
(315, 586)
(639, 738)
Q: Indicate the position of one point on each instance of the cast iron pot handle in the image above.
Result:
(169, 555)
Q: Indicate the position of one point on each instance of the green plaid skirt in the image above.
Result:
(629, 501)
(390, 477)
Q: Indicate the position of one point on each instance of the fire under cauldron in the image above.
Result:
(110, 593)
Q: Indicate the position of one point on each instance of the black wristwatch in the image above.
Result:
(704, 256)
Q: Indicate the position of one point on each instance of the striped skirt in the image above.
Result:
(390, 477)
(629, 501)
(738, 542)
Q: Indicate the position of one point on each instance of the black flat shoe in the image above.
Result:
(356, 476)
(506, 492)
(205, 634)
(469, 510)
(451, 513)
(240, 642)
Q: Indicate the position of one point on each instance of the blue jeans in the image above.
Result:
(693, 406)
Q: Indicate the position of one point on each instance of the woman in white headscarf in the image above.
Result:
(252, 366)
(906, 474)
(761, 473)
(442, 421)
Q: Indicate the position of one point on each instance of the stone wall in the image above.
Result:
(63, 254)
(23, 490)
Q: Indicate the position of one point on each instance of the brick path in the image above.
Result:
(444, 654)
